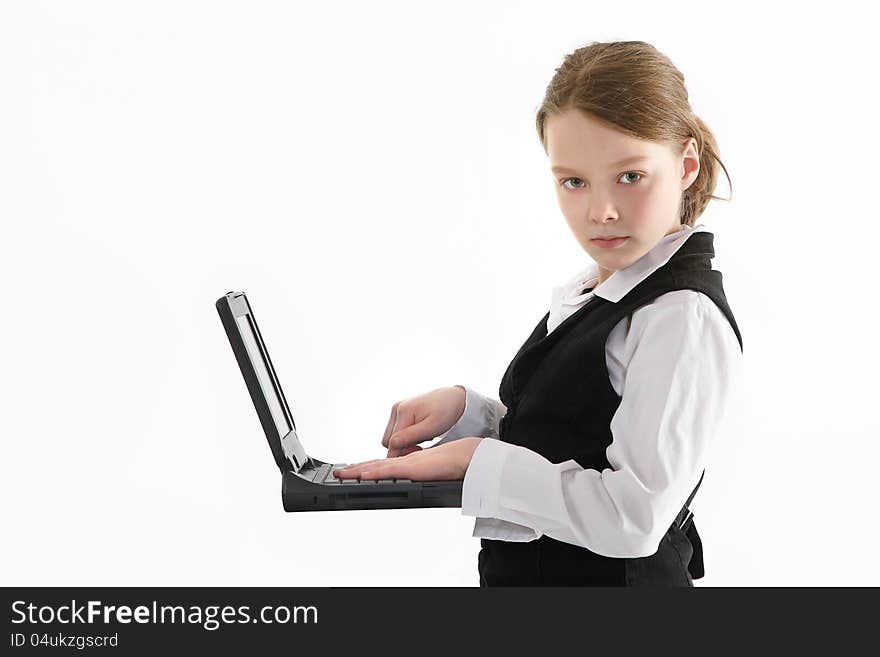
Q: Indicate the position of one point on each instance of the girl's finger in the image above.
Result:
(355, 469)
(392, 422)
(387, 469)
(354, 466)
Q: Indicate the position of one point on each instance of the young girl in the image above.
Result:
(581, 474)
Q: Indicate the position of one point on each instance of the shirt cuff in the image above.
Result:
(478, 418)
(513, 483)
(482, 479)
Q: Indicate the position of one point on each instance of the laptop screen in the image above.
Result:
(270, 392)
(285, 444)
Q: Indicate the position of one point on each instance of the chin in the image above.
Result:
(612, 263)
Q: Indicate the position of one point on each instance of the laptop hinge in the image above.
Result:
(288, 446)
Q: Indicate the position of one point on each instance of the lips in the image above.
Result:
(609, 242)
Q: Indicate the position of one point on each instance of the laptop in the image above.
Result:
(307, 483)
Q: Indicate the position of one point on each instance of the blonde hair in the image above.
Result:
(633, 87)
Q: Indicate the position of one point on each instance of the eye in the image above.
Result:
(632, 182)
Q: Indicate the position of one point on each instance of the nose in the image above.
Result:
(602, 210)
(606, 216)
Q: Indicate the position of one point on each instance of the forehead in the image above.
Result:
(577, 139)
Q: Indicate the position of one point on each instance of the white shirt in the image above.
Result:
(674, 362)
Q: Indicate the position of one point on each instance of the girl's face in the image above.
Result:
(611, 184)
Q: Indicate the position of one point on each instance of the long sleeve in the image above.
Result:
(481, 417)
(677, 362)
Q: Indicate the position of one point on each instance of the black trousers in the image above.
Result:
(548, 562)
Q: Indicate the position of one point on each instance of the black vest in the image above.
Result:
(560, 403)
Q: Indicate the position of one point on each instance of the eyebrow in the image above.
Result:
(628, 160)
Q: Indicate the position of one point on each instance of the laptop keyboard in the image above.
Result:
(324, 475)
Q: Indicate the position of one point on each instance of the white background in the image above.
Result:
(370, 174)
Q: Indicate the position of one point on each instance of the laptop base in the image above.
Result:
(299, 494)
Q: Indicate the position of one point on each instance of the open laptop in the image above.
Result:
(307, 483)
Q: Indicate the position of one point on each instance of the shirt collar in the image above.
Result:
(623, 280)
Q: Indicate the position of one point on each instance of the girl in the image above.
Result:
(582, 472)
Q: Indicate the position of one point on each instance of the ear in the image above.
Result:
(690, 163)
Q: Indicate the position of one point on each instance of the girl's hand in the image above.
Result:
(422, 418)
(447, 461)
